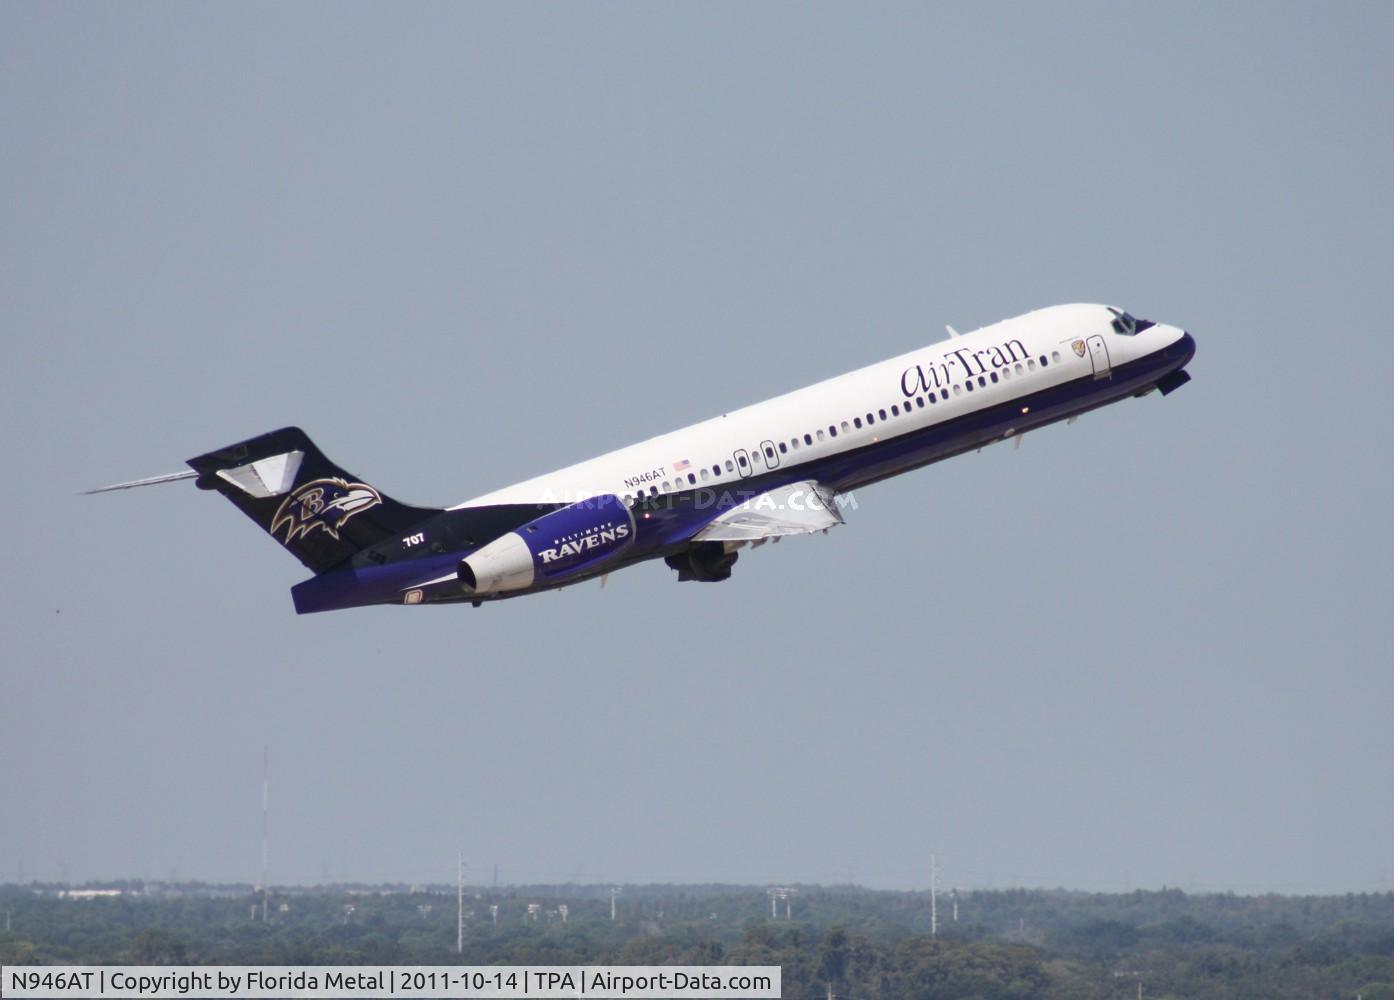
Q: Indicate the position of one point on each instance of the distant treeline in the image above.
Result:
(1005, 945)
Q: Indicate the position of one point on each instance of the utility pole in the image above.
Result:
(460, 903)
(614, 891)
(953, 894)
(933, 897)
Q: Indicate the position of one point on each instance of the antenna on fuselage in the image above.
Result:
(952, 331)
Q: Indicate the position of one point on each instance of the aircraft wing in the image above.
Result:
(796, 509)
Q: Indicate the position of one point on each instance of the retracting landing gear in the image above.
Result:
(706, 562)
(1172, 381)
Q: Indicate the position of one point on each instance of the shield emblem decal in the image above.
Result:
(1078, 345)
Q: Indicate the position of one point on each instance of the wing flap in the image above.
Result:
(796, 509)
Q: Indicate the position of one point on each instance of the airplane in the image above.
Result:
(696, 496)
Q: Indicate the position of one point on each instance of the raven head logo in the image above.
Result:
(322, 503)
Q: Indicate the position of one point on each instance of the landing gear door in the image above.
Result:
(1098, 354)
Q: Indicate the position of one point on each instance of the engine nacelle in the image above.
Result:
(555, 546)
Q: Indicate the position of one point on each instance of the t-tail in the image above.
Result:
(320, 513)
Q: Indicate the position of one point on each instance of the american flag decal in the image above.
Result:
(679, 466)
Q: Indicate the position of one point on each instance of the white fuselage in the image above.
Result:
(946, 380)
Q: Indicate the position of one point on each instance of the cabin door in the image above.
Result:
(1098, 354)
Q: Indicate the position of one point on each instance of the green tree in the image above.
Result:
(156, 946)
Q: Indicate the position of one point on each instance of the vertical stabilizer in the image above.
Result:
(320, 513)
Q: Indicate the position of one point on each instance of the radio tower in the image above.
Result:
(933, 897)
(460, 903)
(265, 811)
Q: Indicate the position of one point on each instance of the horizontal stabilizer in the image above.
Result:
(152, 481)
(266, 477)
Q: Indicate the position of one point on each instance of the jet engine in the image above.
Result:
(564, 543)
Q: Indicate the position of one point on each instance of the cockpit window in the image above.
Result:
(1127, 325)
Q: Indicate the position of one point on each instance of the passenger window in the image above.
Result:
(769, 454)
(832, 431)
(691, 479)
(958, 389)
(729, 466)
(820, 435)
(857, 422)
(741, 459)
(881, 414)
(1055, 356)
(808, 439)
(1018, 367)
(1043, 361)
(994, 378)
(783, 448)
(870, 420)
(846, 428)
(919, 401)
(705, 474)
(895, 410)
(716, 470)
(982, 382)
(1030, 365)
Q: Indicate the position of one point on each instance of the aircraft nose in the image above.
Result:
(1185, 348)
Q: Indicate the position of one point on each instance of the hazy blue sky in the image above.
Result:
(462, 245)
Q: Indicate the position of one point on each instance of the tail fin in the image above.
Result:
(320, 513)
